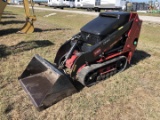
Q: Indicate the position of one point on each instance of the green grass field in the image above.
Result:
(133, 94)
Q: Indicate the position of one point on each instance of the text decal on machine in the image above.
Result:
(97, 51)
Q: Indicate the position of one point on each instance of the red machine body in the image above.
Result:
(127, 51)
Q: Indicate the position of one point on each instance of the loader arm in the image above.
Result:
(2, 7)
(30, 18)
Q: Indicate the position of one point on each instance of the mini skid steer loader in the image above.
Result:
(102, 48)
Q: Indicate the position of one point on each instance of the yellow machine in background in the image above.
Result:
(28, 27)
(2, 7)
(30, 18)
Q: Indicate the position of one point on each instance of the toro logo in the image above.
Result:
(97, 51)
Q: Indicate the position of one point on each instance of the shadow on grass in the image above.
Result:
(8, 13)
(54, 29)
(8, 17)
(8, 109)
(15, 30)
(138, 56)
(23, 46)
(8, 31)
(12, 22)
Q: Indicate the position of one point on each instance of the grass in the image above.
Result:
(132, 94)
(150, 14)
